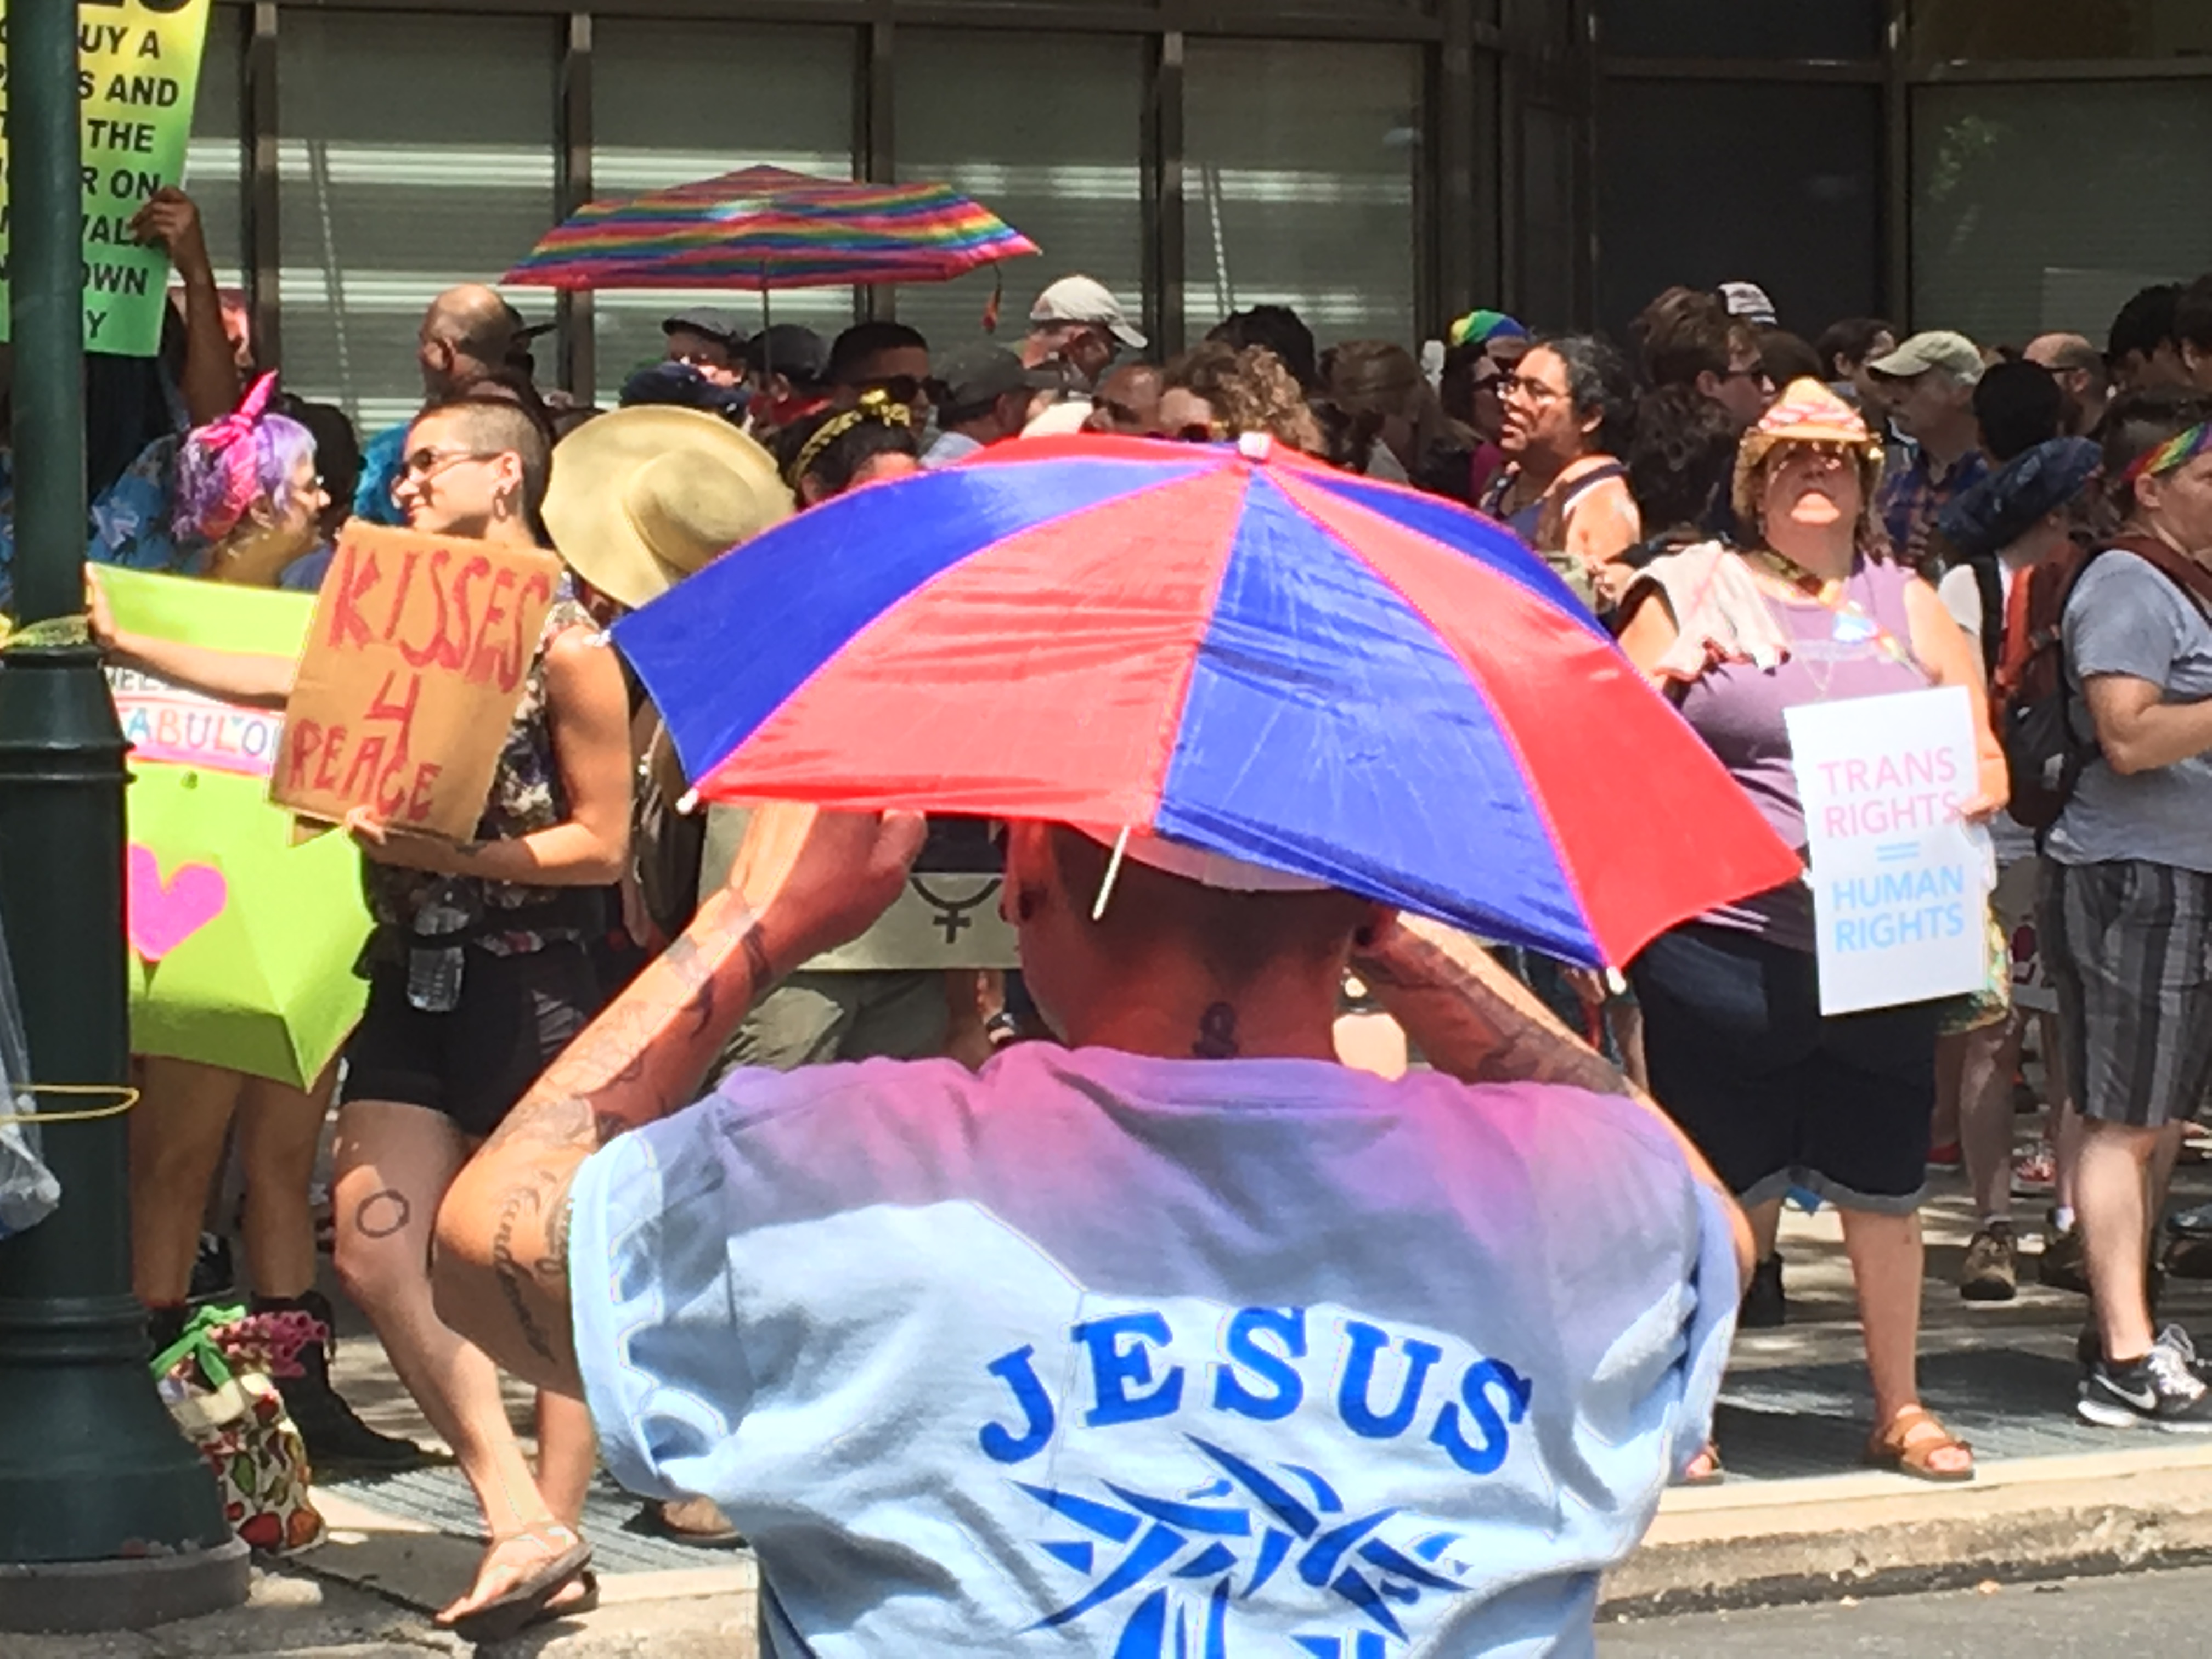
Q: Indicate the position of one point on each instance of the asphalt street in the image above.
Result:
(2129, 1613)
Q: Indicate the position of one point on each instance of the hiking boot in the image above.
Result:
(2061, 1265)
(1991, 1271)
(2162, 1390)
(1765, 1307)
(338, 1442)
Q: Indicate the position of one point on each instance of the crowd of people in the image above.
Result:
(1764, 521)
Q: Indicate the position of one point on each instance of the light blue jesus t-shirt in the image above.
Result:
(1094, 1354)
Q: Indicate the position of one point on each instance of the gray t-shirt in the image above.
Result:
(2127, 617)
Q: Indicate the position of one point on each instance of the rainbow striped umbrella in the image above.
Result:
(764, 227)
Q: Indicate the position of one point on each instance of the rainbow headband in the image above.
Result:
(2177, 451)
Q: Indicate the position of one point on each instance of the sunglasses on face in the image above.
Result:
(427, 463)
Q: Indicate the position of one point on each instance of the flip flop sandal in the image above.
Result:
(524, 1602)
(587, 1599)
(1714, 1473)
(1906, 1448)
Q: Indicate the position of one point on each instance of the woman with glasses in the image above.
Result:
(479, 974)
(248, 492)
(1569, 405)
(1777, 1095)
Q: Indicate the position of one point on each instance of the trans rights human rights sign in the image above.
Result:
(138, 71)
(1901, 882)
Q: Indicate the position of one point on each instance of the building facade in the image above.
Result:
(1998, 166)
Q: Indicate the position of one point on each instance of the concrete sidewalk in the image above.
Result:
(1796, 1520)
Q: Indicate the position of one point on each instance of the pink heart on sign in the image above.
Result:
(163, 914)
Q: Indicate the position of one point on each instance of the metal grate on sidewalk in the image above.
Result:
(1789, 1421)
(439, 1497)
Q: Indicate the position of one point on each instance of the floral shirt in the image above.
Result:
(129, 520)
(526, 796)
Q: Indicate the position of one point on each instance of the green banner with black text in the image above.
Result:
(138, 69)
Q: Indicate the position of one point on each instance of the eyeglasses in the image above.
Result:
(1518, 385)
(1755, 373)
(427, 463)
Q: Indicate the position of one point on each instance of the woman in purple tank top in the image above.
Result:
(1775, 1094)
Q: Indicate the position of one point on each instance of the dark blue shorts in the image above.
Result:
(1775, 1095)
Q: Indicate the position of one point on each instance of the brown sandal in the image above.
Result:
(1911, 1444)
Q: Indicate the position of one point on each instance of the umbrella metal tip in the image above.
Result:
(1254, 446)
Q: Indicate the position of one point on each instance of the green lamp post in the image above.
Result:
(107, 1517)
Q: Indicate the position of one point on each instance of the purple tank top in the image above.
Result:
(1737, 710)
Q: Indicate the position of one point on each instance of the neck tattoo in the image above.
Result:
(1216, 1033)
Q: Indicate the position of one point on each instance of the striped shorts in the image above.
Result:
(2127, 946)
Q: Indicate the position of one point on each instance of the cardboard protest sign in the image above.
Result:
(138, 75)
(242, 944)
(1901, 882)
(414, 667)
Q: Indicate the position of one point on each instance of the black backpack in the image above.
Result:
(2030, 698)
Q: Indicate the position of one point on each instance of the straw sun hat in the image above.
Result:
(643, 497)
(1807, 412)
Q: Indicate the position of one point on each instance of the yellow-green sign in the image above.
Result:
(138, 71)
(242, 939)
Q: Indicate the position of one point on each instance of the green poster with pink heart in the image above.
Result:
(242, 943)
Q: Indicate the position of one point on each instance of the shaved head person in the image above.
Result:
(2080, 369)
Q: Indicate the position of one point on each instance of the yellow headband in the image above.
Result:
(874, 405)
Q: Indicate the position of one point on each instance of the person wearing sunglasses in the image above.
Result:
(889, 358)
(480, 971)
(1218, 392)
(1686, 336)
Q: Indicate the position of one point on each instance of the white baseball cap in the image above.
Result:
(1086, 300)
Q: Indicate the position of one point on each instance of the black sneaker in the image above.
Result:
(213, 1278)
(1765, 1307)
(2162, 1390)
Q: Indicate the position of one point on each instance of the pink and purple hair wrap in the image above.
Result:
(225, 467)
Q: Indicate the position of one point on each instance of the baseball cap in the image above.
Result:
(975, 375)
(715, 324)
(790, 350)
(1748, 301)
(521, 329)
(1954, 354)
(1086, 300)
(2003, 507)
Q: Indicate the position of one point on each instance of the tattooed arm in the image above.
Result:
(1477, 1023)
(805, 882)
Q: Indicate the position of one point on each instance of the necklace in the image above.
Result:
(1853, 629)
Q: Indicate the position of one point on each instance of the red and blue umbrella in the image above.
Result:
(1245, 651)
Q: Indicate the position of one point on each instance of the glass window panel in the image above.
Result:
(1742, 28)
(1547, 241)
(1298, 184)
(1063, 170)
(1708, 182)
(2030, 207)
(675, 101)
(1946, 30)
(215, 159)
(417, 152)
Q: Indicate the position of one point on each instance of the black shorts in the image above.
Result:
(1775, 1095)
(515, 1014)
